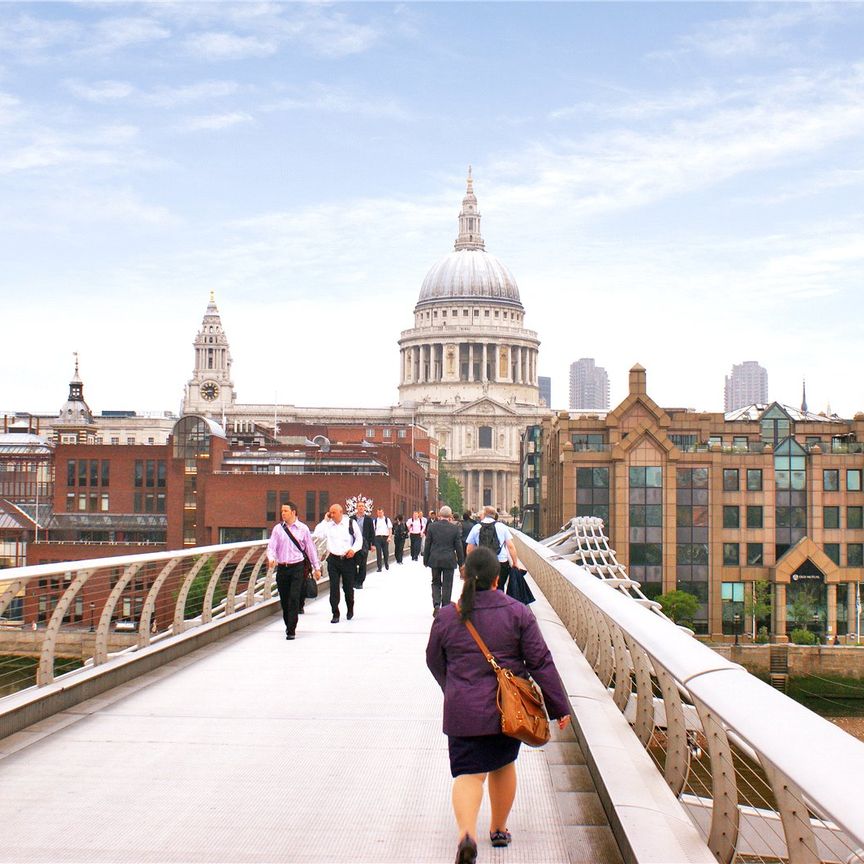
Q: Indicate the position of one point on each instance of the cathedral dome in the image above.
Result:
(469, 274)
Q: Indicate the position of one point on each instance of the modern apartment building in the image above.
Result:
(589, 386)
(746, 385)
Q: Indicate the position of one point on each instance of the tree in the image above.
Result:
(680, 606)
(801, 609)
(757, 604)
(449, 490)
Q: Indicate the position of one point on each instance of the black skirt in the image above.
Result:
(479, 754)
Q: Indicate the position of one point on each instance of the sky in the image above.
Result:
(672, 184)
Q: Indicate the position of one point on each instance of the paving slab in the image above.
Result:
(256, 749)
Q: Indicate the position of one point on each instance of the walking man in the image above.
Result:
(290, 546)
(343, 543)
(365, 527)
(416, 531)
(400, 532)
(443, 553)
(383, 532)
(489, 532)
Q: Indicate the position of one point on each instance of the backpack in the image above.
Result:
(489, 536)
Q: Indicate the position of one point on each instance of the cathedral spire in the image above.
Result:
(469, 220)
(75, 410)
(804, 396)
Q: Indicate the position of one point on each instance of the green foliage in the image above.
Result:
(195, 598)
(800, 636)
(762, 636)
(758, 604)
(680, 606)
(449, 490)
(801, 609)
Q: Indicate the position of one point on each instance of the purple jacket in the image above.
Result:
(512, 634)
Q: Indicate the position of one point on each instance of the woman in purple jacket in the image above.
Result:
(472, 721)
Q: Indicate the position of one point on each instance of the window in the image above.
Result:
(311, 515)
(854, 517)
(754, 479)
(731, 517)
(70, 472)
(402, 433)
(106, 472)
(592, 493)
(754, 554)
(830, 517)
(754, 517)
(855, 554)
(386, 433)
(139, 473)
(853, 479)
(370, 433)
(270, 512)
(831, 480)
(115, 440)
(740, 443)
(646, 478)
(130, 440)
(730, 479)
(832, 550)
(588, 442)
(484, 437)
(730, 554)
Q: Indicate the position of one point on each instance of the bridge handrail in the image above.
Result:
(624, 640)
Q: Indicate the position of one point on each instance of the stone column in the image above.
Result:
(470, 361)
(831, 598)
(778, 617)
(852, 617)
(483, 365)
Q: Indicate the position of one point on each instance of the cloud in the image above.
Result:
(112, 34)
(184, 94)
(757, 34)
(229, 46)
(100, 92)
(331, 100)
(218, 121)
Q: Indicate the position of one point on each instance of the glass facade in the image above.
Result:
(646, 527)
(692, 539)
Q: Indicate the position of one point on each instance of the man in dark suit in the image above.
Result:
(366, 529)
(443, 552)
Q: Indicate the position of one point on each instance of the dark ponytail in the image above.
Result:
(481, 570)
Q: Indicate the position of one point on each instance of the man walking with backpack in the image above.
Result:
(497, 537)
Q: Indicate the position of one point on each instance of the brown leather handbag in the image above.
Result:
(519, 701)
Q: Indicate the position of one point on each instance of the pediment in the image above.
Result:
(485, 407)
(638, 408)
(642, 435)
(796, 556)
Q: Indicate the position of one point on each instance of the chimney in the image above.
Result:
(637, 380)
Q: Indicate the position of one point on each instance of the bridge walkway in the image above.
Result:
(255, 749)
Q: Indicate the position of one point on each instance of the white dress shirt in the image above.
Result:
(338, 536)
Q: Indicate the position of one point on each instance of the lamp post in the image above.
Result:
(92, 609)
(736, 619)
(816, 625)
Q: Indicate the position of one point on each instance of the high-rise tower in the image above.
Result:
(747, 385)
(589, 386)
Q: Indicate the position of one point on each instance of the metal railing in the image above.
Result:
(75, 607)
(764, 778)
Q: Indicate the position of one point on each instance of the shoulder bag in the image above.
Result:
(310, 586)
(519, 701)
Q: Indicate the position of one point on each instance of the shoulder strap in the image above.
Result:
(294, 541)
(482, 645)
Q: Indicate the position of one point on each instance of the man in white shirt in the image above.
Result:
(499, 539)
(383, 531)
(343, 543)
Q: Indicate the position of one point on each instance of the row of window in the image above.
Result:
(465, 314)
(386, 433)
(88, 472)
(754, 558)
(150, 473)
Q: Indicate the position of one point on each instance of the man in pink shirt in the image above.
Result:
(289, 547)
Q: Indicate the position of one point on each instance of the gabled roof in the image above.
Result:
(796, 555)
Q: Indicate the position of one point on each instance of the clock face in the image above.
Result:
(209, 390)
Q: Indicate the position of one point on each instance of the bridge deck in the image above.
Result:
(325, 749)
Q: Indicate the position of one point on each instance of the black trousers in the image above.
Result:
(398, 548)
(503, 574)
(442, 586)
(359, 560)
(289, 581)
(382, 551)
(415, 546)
(341, 570)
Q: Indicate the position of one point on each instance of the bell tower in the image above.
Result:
(210, 390)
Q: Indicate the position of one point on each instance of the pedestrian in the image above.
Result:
(472, 721)
(289, 548)
(443, 552)
(416, 532)
(366, 529)
(468, 522)
(400, 532)
(496, 536)
(383, 533)
(343, 543)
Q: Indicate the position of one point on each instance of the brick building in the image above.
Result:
(713, 504)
